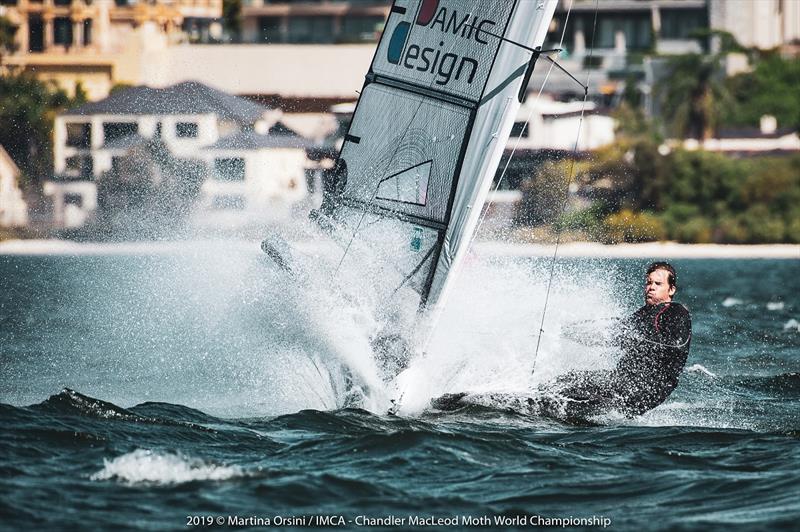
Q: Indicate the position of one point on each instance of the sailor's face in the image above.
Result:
(657, 289)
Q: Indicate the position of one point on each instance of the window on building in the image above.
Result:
(35, 33)
(271, 31)
(519, 129)
(87, 32)
(229, 169)
(73, 199)
(361, 29)
(62, 31)
(62, 2)
(79, 135)
(80, 167)
(8, 2)
(117, 130)
(186, 130)
(636, 28)
(228, 201)
(311, 29)
(682, 23)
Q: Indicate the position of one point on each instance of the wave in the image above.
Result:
(792, 325)
(144, 466)
(785, 385)
(731, 302)
(702, 399)
(70, 402)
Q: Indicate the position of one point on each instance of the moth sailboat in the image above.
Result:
(425, 141)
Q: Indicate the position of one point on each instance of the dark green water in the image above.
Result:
(193, 396)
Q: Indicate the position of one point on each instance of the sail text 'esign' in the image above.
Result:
(439, 60)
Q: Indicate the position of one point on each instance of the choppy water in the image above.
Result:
(202, 384)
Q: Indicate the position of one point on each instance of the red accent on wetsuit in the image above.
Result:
(658, 315)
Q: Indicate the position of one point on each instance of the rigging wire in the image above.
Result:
(527, 121)
(566, 194)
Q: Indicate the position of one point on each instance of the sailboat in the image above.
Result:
(405, 195)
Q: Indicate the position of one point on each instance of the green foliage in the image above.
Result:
(629, 226)
(27, 110)
(7, 32)
(543, 195)
(149, 193)
(116, 87)
(694, 95)
(586, 221)
(688, 196)
(763, 225)
(640, 193)
(726, 40)
(702, 179)
(771, 88)
(232, 18)
(793, 226)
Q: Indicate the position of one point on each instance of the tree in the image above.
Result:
(693, 97)
(771, 88)
(232, 19)
(543, 194)
(7, 32)
(27, 111)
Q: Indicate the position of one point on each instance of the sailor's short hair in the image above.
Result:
(672, 277)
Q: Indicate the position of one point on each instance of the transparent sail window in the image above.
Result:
(407, 186)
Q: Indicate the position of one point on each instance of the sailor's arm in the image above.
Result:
(593, 333)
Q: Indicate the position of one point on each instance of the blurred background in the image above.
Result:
(131, 120)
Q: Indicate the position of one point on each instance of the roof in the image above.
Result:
(186, 98)
(753, 133)
(250, 140)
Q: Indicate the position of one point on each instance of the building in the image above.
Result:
(767, 139)
(190, 120)
(13, 209)
(764, 24)
(99, 43)
(295, 78)
(317, 22)
(547, 124)
(255, 174)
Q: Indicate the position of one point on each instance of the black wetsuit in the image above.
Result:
(655, 344)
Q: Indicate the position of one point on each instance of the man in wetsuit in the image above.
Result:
(655, 344)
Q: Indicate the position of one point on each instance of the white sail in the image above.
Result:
(428, 132)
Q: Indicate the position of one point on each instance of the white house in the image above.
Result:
(186, 117)
(259, 175)
(553, 125)
(13, 210)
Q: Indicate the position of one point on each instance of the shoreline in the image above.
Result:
(671, 250)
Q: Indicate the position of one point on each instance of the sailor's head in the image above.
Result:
(660, 285)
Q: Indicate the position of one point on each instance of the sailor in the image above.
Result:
(654, 342)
